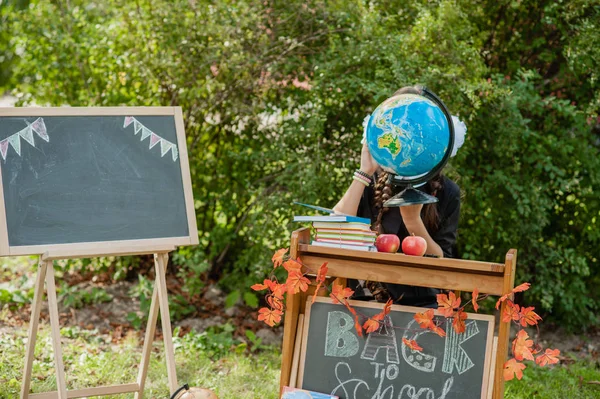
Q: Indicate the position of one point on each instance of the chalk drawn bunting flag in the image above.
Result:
(165, 145)
(39, 127)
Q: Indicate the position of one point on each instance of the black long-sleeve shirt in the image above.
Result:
(445, 236)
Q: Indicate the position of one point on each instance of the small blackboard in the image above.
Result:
(94, 178)
(336, 361)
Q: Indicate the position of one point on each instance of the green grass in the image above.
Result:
(567, 381)
(91, 360)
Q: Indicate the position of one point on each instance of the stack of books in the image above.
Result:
(341, 231)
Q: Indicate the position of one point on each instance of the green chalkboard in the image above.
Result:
(336, 361)
(89, 177)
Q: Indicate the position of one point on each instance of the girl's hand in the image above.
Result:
(411, 213)
(367, 163)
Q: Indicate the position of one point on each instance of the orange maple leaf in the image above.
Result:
(259, 287)
(339, 293)
(549, 357)
(511, 312)
(412, 344)
(350, 308)
(447, 304)
(513, 368)
(387, 308)
(357, 326)
(529, 317)
(459, 322)
(278, 289)
(519, 288)
(438, 330)
(371, 325)
(321, 275)
(521, 346)
(474, 299)
(278, 257)
(425, 319)
(296, 282)
(275, 302)
(292, 265)
(269, 316)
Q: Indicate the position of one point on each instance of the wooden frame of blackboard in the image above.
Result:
(453, 274)
(485, 393)
(121, 247)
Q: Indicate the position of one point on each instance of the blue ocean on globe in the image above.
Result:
(408, 135)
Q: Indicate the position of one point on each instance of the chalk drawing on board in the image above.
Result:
(417, 359)
(454, 354)
(38, 126)
(384, 338)
(340, 340)
(165, 145)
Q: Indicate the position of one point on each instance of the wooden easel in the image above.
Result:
(452, 274)
(159, 301)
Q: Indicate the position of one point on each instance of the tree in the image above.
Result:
(274, 94)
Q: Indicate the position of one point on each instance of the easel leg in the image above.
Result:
(33, 327)
(150, 331)
(55, 326)
(160, 261)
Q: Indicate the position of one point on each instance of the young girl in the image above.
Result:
(437, 223)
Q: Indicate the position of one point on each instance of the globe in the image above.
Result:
(409, 135)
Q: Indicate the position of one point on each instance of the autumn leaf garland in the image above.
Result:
(449, 306)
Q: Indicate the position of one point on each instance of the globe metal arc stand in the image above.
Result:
(410, 196)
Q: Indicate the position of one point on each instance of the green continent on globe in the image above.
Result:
(389, 142)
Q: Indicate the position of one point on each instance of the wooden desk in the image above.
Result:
(453, 274)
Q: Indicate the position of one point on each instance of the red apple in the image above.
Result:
(387, 243)
(414, 245)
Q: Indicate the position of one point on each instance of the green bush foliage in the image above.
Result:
(274, 94)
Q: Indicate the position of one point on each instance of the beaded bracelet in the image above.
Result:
(364, 174)
(367, 181)
(360, 180)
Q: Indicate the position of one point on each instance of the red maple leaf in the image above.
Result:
(339, 293)
(292, 265)
(296, 282)
(269, 316)
(447, 304)
(521, 346)
(371, 325)
(549, 357)
(474, 299)
(513, 368)
(511, 312)
(412, 344)
(459, 322)
(529, 317)
(278, 257)
(425, 319)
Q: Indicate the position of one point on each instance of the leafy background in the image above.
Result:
(274, 94)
